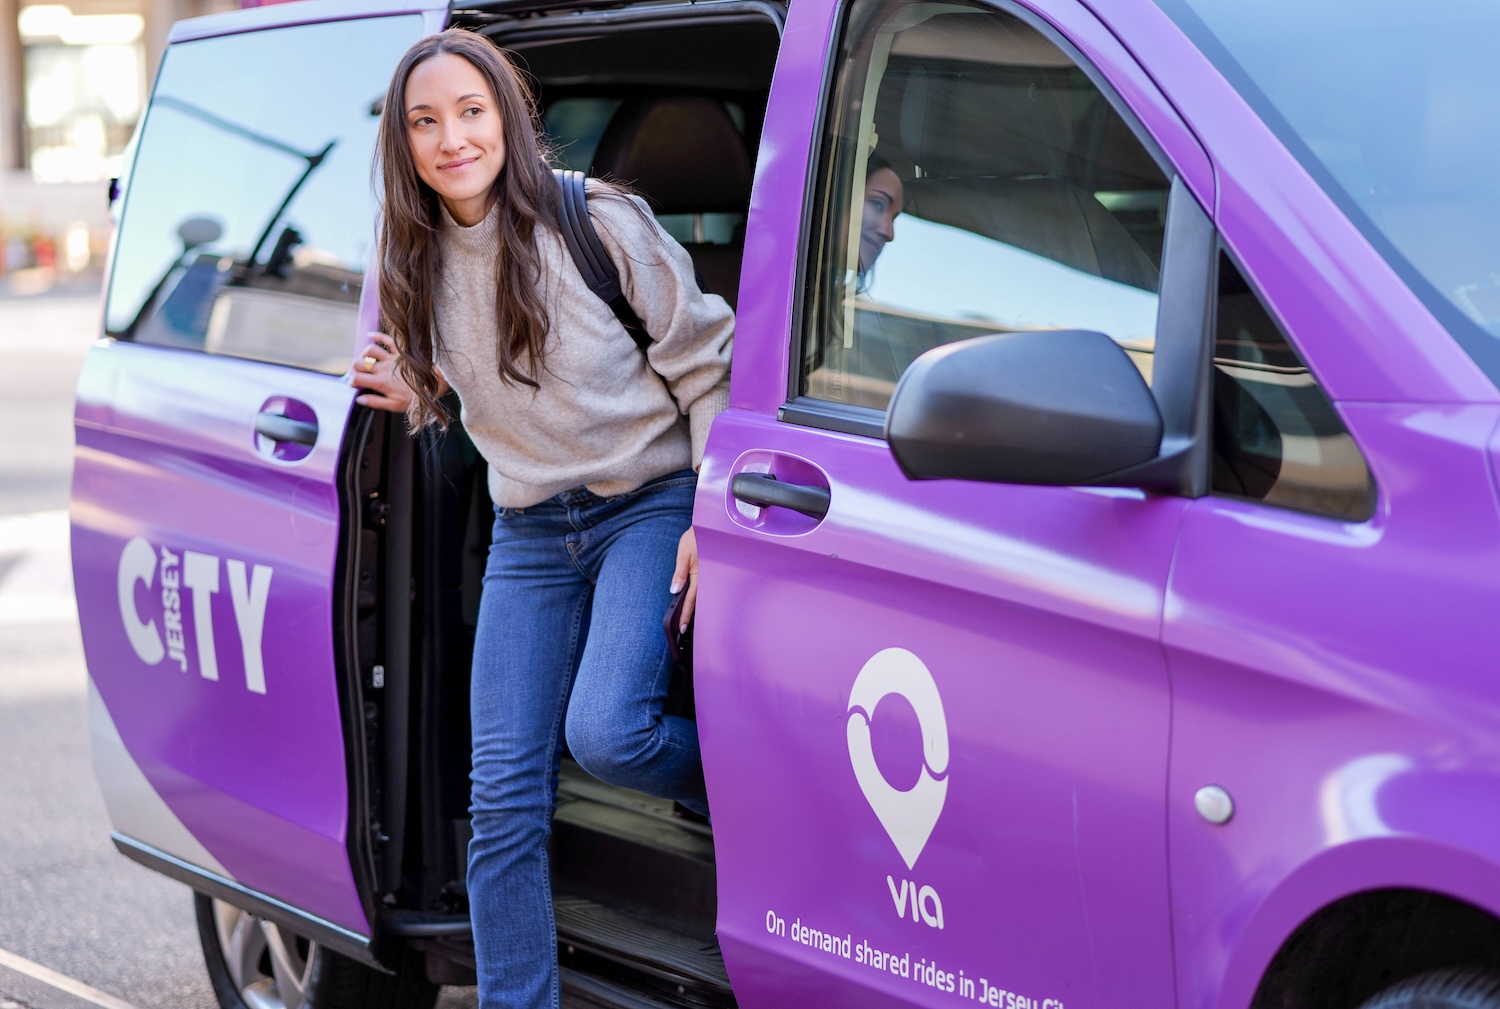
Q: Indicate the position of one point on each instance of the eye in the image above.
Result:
(472, 111)
(420, 121)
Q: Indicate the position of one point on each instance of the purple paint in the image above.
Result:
(218, 750)
(952, 731)
(896, 737)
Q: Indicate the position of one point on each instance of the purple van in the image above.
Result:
(1097, 552)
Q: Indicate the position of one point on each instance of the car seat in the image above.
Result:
(685, 155)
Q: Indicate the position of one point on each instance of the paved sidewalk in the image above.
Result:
(43, 342)
(36, 580)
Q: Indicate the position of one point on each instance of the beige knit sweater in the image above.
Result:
(602, 417)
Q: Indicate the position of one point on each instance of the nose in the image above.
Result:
(452, 138)
(888, 228)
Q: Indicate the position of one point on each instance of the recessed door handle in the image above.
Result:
(279, 427)
(765, 490)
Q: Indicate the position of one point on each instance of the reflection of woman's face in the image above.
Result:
(884, 195)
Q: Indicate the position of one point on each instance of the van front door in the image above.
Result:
(935, 714)
(206, 501)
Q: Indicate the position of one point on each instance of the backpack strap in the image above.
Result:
(590, 256)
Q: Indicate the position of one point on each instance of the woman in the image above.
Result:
(591, 445)
(884, 197)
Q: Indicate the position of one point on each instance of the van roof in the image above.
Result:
(300, 12)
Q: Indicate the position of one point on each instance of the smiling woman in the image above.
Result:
(592, 444)
(457, 145)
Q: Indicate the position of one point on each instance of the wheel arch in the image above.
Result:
(1367, 912)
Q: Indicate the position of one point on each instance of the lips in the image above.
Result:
(453, 166)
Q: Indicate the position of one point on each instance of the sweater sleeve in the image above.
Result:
(692, 333)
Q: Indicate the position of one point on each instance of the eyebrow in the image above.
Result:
(428, 108)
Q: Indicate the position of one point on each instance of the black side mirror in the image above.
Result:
(1060, 407)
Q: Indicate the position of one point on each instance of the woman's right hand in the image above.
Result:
(375, 372)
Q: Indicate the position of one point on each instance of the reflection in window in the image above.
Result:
(1277, 437)
(1394, 115)
(997, 190)
(250, 219)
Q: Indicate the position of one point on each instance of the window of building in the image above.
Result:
(84, 85)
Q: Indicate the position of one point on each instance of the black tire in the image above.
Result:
(254, 964)
(1450, 988)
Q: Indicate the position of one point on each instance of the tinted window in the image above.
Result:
(250, 216)
(973, 180)
(1277, 437)
(573, 127)
(1393, 109)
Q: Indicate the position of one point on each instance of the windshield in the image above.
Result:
(1395, 108)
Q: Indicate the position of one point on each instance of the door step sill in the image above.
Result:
(574, 782)
(680, 961)
(597, 992)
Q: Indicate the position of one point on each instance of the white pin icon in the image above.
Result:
(908, 817)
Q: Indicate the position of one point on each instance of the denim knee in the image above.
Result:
(608, 750)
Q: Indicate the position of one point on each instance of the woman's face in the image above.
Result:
(456, 134)
(884, 195)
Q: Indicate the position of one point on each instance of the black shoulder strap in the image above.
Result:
(590, 256)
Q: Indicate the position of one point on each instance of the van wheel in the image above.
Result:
(1451, 988)
(256, 964)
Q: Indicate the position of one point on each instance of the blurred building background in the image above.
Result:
(74, 78)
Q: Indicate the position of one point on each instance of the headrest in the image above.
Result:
(1043, 216)
(1004, 125)
(682, 153)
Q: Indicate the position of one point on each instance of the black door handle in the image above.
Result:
(279, 427)
(764, 489)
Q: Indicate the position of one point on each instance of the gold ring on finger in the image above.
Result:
(368, 362)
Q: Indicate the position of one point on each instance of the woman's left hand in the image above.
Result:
(382, 387)
(685, 578)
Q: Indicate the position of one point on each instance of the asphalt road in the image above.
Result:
(81, 927)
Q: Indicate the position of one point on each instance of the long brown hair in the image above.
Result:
(410, 253)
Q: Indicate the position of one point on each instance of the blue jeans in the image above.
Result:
(569, 640)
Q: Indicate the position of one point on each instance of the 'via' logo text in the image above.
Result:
(907, 816)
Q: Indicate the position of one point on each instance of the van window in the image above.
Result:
(573, 126)
(973, 180)
(249, 215)
(1277, 437)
